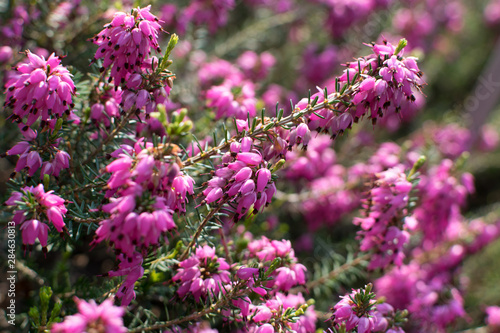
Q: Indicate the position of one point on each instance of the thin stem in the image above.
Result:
(236, 292)
(110, 137)
(84, 188)
(85, 221)
(108, 294)
(200, 228)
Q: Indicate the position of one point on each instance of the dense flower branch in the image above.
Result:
(145, 190)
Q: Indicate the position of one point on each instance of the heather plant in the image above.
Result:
(182, 167)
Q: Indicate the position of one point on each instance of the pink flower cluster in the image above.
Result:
(276, 314)
(107, 107)
(427, 286)
(255, 66)
(270, 317)
(146, 94)
(317, 66)
(203, 274)
(359, 310)
(328, 198)
(41, 89)
(387, 156)
(442, 196)
(393, 86)
(243, 179)
(131, 268)
(92, 317)
(380, 84)
(232, 100)
(126, 42)
(382, 227)
(230, 90)
(64, 13)
(492, 12)
(452, 140)
(13, 28)
(333, 190)
(30, 159)
(493, 317)
(215, 72)
(290, 273)
(126, 46)
(314, 163)
(344, 14)
(427, 291)
(141, 181)
(34, 207)
(212, 13)
(144, 190)
(423, 22)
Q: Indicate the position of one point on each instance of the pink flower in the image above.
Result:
(493, 316)
(90, 315)
(492, 12)
(30, 159)
(108, 106)
(202, 274)
(381, 85)
(256, 67)
(126, 42)
(428, 291)
(246, 273)
(49, 206)
(489, 138)
(242, 180)
(265, 316)
(262, 313)
(441, 185)
(344, 14)
(215, 72)
(386, 203)
(290, 274)
(266, 328)
(359, 310)
(42, 90)
(130, 266)
(214, 13)
(5, 54)
(33, 229)
(145, 190)
(232, 100)
(452, 140)
(318, 65)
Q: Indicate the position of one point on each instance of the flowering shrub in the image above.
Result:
(215, 165)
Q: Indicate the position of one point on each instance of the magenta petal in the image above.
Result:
(249, 158)
(54, 215)
(247, 272)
